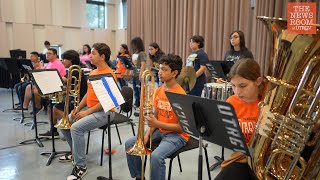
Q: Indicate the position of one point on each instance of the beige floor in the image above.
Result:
(24, 162)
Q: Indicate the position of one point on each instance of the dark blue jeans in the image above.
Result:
(122, 82)
(20, 89)
(136, 89)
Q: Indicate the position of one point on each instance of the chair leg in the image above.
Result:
(134, 134)
(207, 160)
(170, 167)
(179, 163)
(118, 135)
(88, 140)
(102, 146)
(145, 164)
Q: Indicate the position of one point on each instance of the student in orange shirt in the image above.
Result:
(247, 84)
(121, 70)
(89, 115)
(163, 125)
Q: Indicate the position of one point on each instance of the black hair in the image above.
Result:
(47, 43)
(53, 50)
(158, 53)
(125, 47)
(35, 53)
(173, 61)
(137, 45)
(89, 49)
(103, 48)
(198, 39)
(72, 56)
(242, 40)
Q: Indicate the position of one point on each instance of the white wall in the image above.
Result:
(26, 24)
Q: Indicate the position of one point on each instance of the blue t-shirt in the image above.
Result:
(195, 60)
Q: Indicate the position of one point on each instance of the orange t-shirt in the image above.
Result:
(120, 68)
(247, 114)
(92, 99)
(165, 111)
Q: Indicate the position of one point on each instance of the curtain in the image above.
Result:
(171, 23)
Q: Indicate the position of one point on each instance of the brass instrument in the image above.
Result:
(146, 108)
(290, 108)
(73, 89)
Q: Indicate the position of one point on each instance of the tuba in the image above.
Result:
(146, 108)
(290, 107)
(73, 89)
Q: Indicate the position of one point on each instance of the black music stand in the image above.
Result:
(41, 79)
(25, 65)
(11, 66)
(110, 92)
(214, 121)
(219, 69)
(126, 62)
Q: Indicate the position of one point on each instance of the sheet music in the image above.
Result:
(105, 94)
(48, 81)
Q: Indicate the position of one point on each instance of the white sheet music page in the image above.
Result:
(109, 96)
(48, 81)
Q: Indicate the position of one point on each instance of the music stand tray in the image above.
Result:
(219, 69)
(127, 62)
(214, 121)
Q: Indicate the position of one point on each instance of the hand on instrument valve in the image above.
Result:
(151, 121)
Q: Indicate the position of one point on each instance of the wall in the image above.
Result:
(26, 24)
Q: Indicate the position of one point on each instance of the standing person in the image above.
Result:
(163, 125)
(154, 55)
(69, 58)
(85, 56)
(46, 47)
(247, 84)
(121, 70)
(34, 57)
(139, 59)
(198, 59)
(89, 115)
(238, 47)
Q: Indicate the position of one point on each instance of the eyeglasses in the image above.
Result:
(234, 37)
(49, 53)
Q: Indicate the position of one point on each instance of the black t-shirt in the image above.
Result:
(83, 86)
(236, 55)
(155, 60)
(195, 60)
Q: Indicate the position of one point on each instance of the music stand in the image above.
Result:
(214, 121)
(127, 62)
(219, 69)
(90, 65)
(113, 95)
(25, 65)
(11, 66)
(18, 54)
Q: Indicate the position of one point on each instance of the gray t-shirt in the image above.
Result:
(137, 58)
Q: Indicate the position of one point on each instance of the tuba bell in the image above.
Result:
(146, 108)
(72, 90)
(290, 107)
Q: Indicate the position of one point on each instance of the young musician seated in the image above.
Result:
(247, 83)
(89, 115)
(69, 58)
(54, 63)
(163, 125)
(34, 57)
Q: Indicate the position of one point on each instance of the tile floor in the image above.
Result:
(24, 162)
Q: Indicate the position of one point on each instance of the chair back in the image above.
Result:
(127, 94)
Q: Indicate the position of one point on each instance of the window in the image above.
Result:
(96, 13)
(124, 13)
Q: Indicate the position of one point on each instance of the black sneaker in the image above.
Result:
(19, 108)
(37, 110)
(66, 158)
(48, 134)
(77, 173)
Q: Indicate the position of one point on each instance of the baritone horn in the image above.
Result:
(146, 108)
(72, 90)
(290, 108)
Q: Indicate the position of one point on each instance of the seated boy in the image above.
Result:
(164, 125)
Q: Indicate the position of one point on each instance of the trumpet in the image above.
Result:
(73, 89)
(146, 101)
